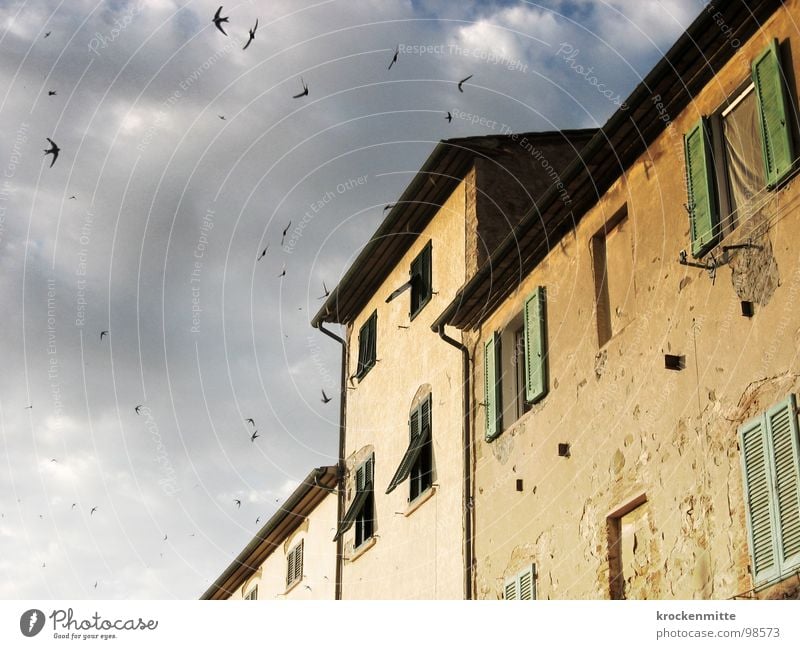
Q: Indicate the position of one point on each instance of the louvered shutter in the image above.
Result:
(757, 491)
(298, 562)
(703, 214)
(526, 583)
(510, 591)
(783, 440)
(290, 568)
(491, 391)
(776, 137)
(535, 346)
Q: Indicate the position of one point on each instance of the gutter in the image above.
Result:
(467, 460)
(340, 472)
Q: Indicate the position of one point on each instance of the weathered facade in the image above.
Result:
(293, 555)
(660, 458)
(404, 503)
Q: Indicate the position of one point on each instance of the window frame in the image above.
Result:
(251, 594)
(514, 585)
(367, 345)
(421, 282)
(364, 521)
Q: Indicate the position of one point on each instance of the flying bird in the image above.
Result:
(222, 117)
(305, 90)
(54, 149)
(462, 82)
(73, 505)
(28, 407)
(250, 421)
(283, 272)
(449, 117)
(394, 58)
(51, 93)
(325, 397)
(54, 460)
(325, 290)
(238, 502)
(103, 333)
(389, 206)
(263, 253)
(94, 509)
(47, 34)
(258, 519)
(253, 436)
(137, 409)
(95, 584)
(252, 35)
(72, 198)
(165, 537)
(285, 230)
(218, 20)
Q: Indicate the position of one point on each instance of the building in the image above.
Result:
(633, 356)
(404, 501)
(293, 556)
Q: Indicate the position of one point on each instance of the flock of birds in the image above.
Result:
(219, 20)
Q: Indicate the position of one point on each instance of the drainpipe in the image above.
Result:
(340, 469)
(467, 443)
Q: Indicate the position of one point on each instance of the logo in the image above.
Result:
(31, 622)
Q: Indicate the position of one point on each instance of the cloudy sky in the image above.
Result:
(172, 207)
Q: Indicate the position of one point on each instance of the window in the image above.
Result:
(252, 593)
(362, 508)
(366, 345)
(421, 281)
(522, 585)
(513, 359)
(770, 452)
(630, 539)
(741, 150)
(614, 286)
(294, 565)
(417, 462)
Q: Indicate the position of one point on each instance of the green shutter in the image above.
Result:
(491, 392)
(535, 346)
(776, 137)
(783, 441)
(510, 590)
(757, 488)
(703, 214)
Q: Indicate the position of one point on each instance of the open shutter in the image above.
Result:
(535, 346)
(703, 214)
(783, 440)
(526, 583)
(491, 392)
(290, 568)
(298, 562)
(776, 137)
(757, 488)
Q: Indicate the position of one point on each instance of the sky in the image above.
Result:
(182, 157)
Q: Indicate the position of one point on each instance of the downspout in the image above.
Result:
(467, 443)
(340, 468)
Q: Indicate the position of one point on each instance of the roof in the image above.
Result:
(441, 173)
(308, 495)
(686, 68)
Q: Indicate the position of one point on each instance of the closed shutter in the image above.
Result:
(526, 583)
(776, 137)
(491, 391)
(290, 568)
(510, 591)
(298, 562)
(783, 440)
(703, 215)
(535, 346)
(757, 488)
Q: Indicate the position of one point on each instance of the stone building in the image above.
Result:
(293, 555)
(633, 355)
(404, 504)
